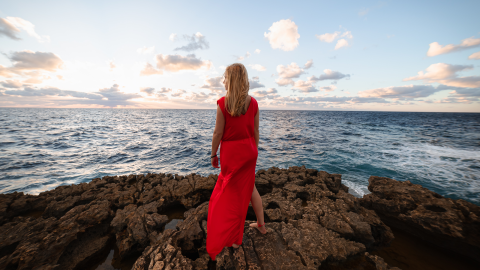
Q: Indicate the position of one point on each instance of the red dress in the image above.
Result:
(227, 209)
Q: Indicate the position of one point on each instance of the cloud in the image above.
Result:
(110, 97)
(341, 43)
(329, 75)
(8, 29)
(401, 92)
(148, 70)
(147, 90)
(173, 37)
(111, 65)
(164, 90)
(175, 63)
(304, 86)
(327, 37)
(446, 74)
(10, 26)
(146, 50)
(196, 42)
(241, 58)
(52, 91)
(11, 84)
(28, 60)
(475, 56)
(328, 88)
(437, 49)
(308, 65)
(264, 93)
(331, 37)
(258, 67)
(178, 93)
(257, 51)
(214, 84)
(287, 73)
(283, 35)
(6, 72)
(255, 83)
(290, 71)
(114, 94)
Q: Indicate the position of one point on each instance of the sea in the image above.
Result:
(41, 149)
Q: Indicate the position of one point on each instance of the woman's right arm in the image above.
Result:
(257, 123)
(217, 133)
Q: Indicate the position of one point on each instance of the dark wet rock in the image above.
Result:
(378, 262)
(312, 220)
(310, 223)
(451, 224)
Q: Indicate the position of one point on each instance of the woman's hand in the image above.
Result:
(215, 162)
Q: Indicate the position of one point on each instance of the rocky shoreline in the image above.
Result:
(311, 219)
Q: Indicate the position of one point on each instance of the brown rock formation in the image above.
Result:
(451, 224)
(312, 221)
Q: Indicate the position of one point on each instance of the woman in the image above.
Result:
(237, 129)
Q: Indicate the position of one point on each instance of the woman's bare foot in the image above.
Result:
(235, 245)
(261, 229)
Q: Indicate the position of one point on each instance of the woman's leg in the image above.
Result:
(258, 208)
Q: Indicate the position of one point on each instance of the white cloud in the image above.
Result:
(331, 37)
(111, 65)
(241, 58)
(447, 74)
(283, 35)
(329, 75)
(146, 50)
(214, 84)
(327, 37)
(173, 37)
(114, 94)
(12, 25)
(148, 70)
(475, 56)
(308, 65)
(257, 51)
(341, 43)
(284, 81)
(437, 49)
(305, 86)
(258, 67)
(290, 71)
(195, 42)
(174, 63)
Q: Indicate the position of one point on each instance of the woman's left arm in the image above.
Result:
(217, 135)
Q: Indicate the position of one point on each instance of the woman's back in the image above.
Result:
(239, 127)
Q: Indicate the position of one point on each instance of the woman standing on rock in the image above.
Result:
(237, 129)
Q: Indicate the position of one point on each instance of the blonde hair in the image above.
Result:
(236, 77)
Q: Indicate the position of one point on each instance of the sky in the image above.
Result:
(300, 55)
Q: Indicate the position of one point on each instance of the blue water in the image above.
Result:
(44, 148)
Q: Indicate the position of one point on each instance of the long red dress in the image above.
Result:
(227, 209)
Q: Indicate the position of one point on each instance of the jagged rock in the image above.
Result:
(451, 224)
(311, 220)
(378, 262)
(65, 243)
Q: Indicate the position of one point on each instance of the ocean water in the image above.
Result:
(44, 148)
